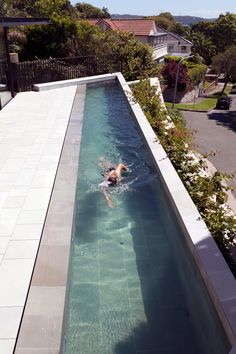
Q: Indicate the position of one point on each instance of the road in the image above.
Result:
(216, 131)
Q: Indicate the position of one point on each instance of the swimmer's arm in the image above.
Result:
(107, 197)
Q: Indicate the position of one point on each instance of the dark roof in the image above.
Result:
(20, 21)
(176, 36)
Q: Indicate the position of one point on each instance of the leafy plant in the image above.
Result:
(208, 192)
(169, 73)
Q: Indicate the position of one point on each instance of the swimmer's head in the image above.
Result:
(113, 180)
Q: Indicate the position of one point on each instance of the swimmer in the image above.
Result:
(112, 177)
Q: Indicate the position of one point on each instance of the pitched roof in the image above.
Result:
(139, 27)
(176, 36)
(109, 22)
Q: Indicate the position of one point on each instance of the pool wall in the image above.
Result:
(215, 272)
(212, 267)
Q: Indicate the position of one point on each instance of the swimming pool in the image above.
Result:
(133, 287)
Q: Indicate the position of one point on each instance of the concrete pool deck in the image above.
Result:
(32, 131)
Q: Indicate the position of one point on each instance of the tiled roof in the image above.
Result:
(110, 23)
(139, 27)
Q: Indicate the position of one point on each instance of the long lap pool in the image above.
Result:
(133, 287)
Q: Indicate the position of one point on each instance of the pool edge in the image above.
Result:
(211, 264)
(41, 329)
(215, 273)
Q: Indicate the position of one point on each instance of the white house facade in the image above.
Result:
(176, 45)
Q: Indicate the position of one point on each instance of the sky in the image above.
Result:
(198, 8)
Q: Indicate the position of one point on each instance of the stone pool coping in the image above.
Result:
(214, 271)
(42, 323)
(32, 131)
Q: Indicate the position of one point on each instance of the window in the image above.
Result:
(183, 49)
(170, 47)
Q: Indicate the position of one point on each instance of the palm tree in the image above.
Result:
(203, 46)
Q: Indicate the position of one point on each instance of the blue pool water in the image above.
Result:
(133, 287)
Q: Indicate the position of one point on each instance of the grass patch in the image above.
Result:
(204, 104)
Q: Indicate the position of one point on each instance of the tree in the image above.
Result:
(19, 7)
(88, 11)
(67, 38)
(136, 56)
(177, 28)
(196, 73)
(226, 63)
(203, 46)
(56, 40)
(224, 33)
(221, 33)
(39, 8)
(88, 39)
(207, 28)
(3, 8)
(165, 20)
(169, 73)
(54, 8)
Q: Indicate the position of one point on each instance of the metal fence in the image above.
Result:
(26, 74)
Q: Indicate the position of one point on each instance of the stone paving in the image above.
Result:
(32, 131)
(5, 97)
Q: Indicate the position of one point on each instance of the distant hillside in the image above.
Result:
(185, 20)
(189, 20)
(126, 16)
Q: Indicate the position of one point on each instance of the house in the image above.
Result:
(144, 30)
(162, 41)
(176, 45)
(6, 75)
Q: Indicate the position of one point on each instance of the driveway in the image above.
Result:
(216, 131)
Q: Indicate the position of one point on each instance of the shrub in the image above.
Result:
(207, 192)
(169, 58)
(169, 73)
(196, 73)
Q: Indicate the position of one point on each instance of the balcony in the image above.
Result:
(159, 51)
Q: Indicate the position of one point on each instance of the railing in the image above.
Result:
(160, 46)
(159, 51)
(28, 73)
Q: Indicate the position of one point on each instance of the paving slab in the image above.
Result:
(32, 132)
